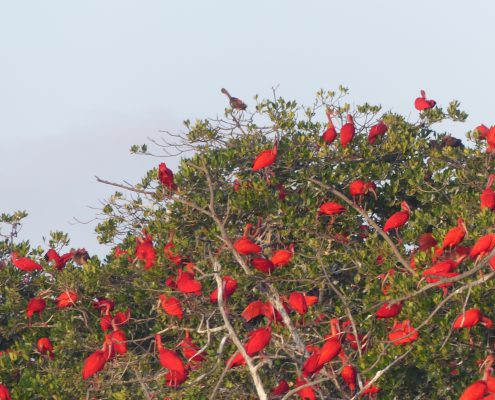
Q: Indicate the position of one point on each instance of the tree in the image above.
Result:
(196, 265)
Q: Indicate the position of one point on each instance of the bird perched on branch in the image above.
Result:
(235, 103)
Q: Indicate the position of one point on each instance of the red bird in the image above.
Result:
(169, 358)
(4, 393)
(490, 140)
(359, 188)
(347, 131)
(306, 393)
(329, 351)
(145, 251)
(118, 341)
(283, 257)
(281, 388)
(380, 129)
(166, 177)
(263, 265)
(471, 318)
(59, 261)
(331, 208)
(482, 131)
(35, 306)
(475, 391)
(398, 219)
(258, 340)
(348, 374)
(388, 310)
(421, 103)
(482, 247)
(229, 287)
(171, 306)
(244, 245)
(331, 133)
(265, 158)
(487, 197)
(187, 284)
(190, 350)
(371, 390)
(445, 266)
(257, 308)
(66, 299)
(95, 362)
(45, 346)
(455, 235)
(24, 263)
(300, 302)
(402, 333)
(426, 241)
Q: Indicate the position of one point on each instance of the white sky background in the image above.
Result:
(81, 81)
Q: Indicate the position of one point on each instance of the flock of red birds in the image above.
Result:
(449, 256)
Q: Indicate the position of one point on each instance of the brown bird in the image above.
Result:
(235, 103)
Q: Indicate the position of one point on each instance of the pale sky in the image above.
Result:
(81, 81)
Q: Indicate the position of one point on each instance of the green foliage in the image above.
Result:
(440, 183)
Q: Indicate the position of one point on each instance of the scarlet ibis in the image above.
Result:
(444, 266)
(190, 350)
(487, 197)
(263, 265)
(229, 287)
(257, 308)
(66, 299)
(266, 158)
(187, 284)
(306, 393)
(331, 208)
(283, 257)
(118, 341)
(421, 103)
(258, 340)
(104, 305)
(300, 302)
(24, 263)
(482, 247)
(470, 318)
(482, 131)
(359, 188)
(45, 346)
(4, 393)
(177, 372)
(166, 176)
(380, 129)
(145, 251)
(439, 276)
(59, 260)
(347, 131)
(330, 133)
(95, 362)
(167, 250)
(348, 374)
(371, 391)
(388, 310)
(455, 235)
(171, 305)
(235, 103)
(426, 241)
(244, 245)
(402, 333)
(475, 391)
(490, 140)
(398, 219)
(35, 305)
(330, 349)
(281, 388)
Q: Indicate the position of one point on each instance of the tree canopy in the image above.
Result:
(290, 255)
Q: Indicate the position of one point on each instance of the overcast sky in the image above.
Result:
(81, 81)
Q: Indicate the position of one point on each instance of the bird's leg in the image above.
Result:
(399, 239)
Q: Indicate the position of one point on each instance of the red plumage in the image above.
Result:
(4, 393)
(59, 261)
(145, 251)
(348, 374)
(35, 305)
(426, 241)
(398, 219)
(24, 263)
(263, 265)
(306, 393)
(189, 349)
(166, 176)
(330, 133)
(45, 346)
(330, 349)
(379, 129)
(470, 318)
(475, 391)
(388, 310)
(229, 287)
(331, 208)
(281, 388)
(94, 363)
(347, 132)
(455, 235)
(283, 257)
(265, 158)
(487, 197)
(258, 340)
(169, 358)
(244, 245)
(187, 284)
(402, 333)
(171, 306)
(421, 103)
(118, 341)
(483, 246)
(66, 299)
